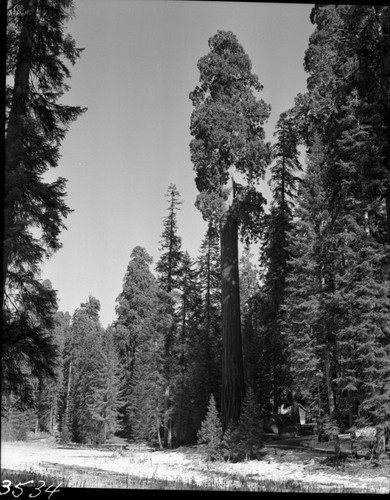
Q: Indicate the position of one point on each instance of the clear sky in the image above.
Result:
(135, 76)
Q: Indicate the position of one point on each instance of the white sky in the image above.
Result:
(134, 76)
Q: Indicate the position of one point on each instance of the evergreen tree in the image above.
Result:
(144, 317)
(90, 412)
(211, 432)
(146, 411)
(16, 423)
(207, 345)
(49, 402)
(169, 269)
(244, 441)
(274, 257)
(302, 325)
(226, 124)
(36, 123)
(250, 310)
(133, 310)
(168, 266)
(184, 349)
(347, 107)
(109, 391)
(248, 280)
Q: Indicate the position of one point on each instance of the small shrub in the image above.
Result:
(64, 437)
(210, 432)
(244, 441)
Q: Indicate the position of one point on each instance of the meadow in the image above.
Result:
(186, 468)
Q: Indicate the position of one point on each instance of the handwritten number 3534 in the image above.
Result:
(7, 484)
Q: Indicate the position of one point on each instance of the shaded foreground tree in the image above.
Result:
(34, 210)
(228, 136)
(346, 111)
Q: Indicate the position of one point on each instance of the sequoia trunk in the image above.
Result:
(232, 362)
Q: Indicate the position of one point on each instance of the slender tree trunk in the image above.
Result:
(351, 408)
(51, 419)
(275, 392)
(294, 407)
(388, 217)
(67, 416)
(380, 442)
(168, 419)
(158, 431)
(354, 446)
(232, 361)
(329, 383)
(331, 398)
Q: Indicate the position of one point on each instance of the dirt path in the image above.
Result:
(188, 464)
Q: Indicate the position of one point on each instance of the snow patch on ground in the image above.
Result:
(185, 464)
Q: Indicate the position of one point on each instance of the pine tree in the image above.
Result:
(211, 432)
(187, 328)
(87, 390)
(305, 326)
(110, 387)
(248, 279)
(49, 402)
(168, 265)
(347, 86)
(207, 344)
(146, 403)
(274, 257)
(226, 124)
(243, 441)
(36, 123)
(134, 309)
(144, 318)
(249, 293)
(169, 269)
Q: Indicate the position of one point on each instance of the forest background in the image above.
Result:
(314, 313)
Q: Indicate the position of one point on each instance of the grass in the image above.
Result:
(236, 482)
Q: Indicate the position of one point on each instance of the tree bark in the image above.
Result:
(380, 442)
(158, 432)
(168, 419)
(67, 413)
(388, 218)
(329, 382)
(354, 444)
(232, 361)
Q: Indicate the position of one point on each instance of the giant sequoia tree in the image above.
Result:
(228, 137)
(36, 123)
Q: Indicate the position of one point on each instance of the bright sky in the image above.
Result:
(134, 76)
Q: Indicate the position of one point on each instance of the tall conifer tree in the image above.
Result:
(36, 124)
(226, 124)
(346, 106)
(134, 318)
(169, 269)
